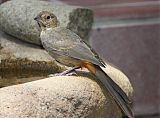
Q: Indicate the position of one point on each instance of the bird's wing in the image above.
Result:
(65, 42)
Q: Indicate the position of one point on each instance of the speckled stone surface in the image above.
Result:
(58, 97)
(65, 96)
(17, 18)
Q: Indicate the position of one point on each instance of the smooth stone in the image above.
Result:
(17, 18)
(63, 96)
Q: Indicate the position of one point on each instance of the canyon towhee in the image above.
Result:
(69, 49)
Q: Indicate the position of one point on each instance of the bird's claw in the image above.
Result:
(73, 73)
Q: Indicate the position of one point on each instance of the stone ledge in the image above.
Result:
(65, 96)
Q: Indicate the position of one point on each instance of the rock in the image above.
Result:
(17, 18)
(120, 78)
(65, 96)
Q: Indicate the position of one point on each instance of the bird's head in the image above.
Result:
(46, 20)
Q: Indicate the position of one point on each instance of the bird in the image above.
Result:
(67, 48)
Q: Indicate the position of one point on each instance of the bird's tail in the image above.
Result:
(116, 92)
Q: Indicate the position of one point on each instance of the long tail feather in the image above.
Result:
(116, 92)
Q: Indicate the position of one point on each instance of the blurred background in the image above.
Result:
(127, 34)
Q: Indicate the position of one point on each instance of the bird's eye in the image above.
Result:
(48, 17)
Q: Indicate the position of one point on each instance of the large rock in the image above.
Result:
(17, 18)
(69, 97)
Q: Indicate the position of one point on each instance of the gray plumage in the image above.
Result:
(62, 41)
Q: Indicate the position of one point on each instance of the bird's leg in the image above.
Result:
(67, 72)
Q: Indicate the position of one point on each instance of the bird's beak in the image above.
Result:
(36, 18)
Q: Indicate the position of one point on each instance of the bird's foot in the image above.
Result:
(68, 72)
(62, 74)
